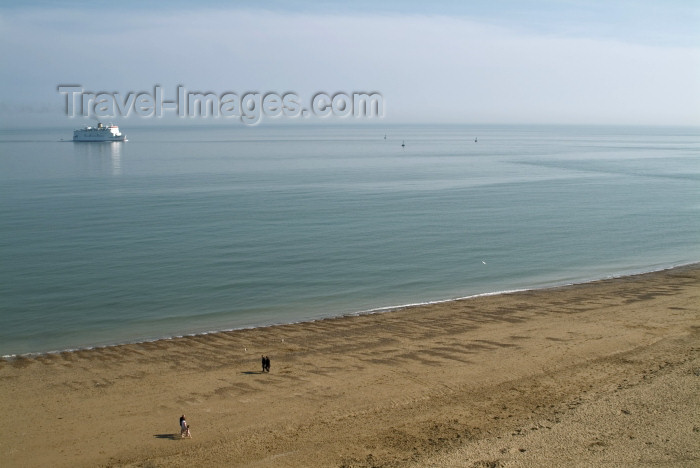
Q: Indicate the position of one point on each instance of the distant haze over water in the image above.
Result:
(196, 229)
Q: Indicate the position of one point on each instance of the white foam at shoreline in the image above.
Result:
(377, 310)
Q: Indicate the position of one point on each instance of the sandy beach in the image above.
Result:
(604, 373)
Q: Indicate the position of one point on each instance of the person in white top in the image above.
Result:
(184, 427)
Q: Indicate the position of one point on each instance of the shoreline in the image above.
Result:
(590, 374)
(373, 311)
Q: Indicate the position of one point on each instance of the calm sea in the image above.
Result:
(196, 229)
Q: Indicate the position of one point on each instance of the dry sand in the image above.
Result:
(605, 373)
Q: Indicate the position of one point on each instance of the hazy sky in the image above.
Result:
(608, 62)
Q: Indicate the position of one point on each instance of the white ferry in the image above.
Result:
(100, 133)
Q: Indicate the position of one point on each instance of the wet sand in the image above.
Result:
(605, 373)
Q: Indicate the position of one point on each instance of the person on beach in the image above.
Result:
(264, 362)
(267, 363)
(184, 427)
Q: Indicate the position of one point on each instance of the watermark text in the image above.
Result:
(248, 107)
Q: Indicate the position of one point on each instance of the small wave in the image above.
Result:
(377, 310)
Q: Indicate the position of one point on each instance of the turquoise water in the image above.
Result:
(189, 230)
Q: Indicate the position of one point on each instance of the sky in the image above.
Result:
(532, 62)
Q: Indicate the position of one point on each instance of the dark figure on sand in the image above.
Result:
(265, 364)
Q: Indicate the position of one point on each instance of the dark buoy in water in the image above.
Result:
(475, 140)
(403, 144)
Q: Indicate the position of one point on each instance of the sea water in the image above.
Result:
(184, 230)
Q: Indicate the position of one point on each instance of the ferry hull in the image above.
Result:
(98, 138)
